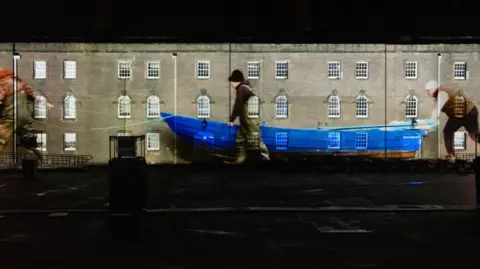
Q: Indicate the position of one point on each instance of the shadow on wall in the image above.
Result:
(185, 152)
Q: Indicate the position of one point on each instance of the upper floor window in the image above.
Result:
(124, 107)
(411, 70)
(40, 107)
(281, 70)
(69, 107)
(153, 107)
(460, 70)
(203, 69)
(333, 70)
(334, 106)
(69, 69)
(281, 107)
(203, 107)
(253, 107)
(361, 105)
(253, 70)
(153, 70)
(124, 69)
(411, 106)
(40, 69)
(361, 70)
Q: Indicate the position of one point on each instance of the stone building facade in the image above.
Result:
(374, 84)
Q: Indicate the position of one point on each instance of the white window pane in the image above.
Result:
(40, 69)
(203, 70)
(153, 141)
(70, 69)
(153, 70)
(70, 141)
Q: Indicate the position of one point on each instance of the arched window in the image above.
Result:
(203, 107)
(253, 107)
(70, 107)
(40, 107)
(281, 107)
(411, 106)
(124, 107)
(334, 106)
(361, 105)
(153, 107)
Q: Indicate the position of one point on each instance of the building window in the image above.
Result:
(40, 69)
(334, 106)
(281, 70)
(334, 70)
(281, 107)
(253, 141)
(40, 107)
(281, 141)
(460, 140)
(460, 70)
(69, 107)
(153, 70)
(203, 107)
(460, 107)
(253, 107)
(411, 70)
(361, 140)
(203, 69)
(69, 69)
(153, 141)
(41, 141)
(124, 69)
(361, 70)
(334, 140)
(253, 70)
(361, 105)
(124, 107)
(153, 107)
(70, 141)
(411, 107)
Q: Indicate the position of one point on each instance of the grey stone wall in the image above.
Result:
(97, 87)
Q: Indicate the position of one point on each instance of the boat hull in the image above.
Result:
(397, 141)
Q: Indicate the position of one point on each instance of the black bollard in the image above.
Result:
(477, 181)
(127, 194)
(29, 168)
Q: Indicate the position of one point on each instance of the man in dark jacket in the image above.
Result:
(461, 112)
(248, 135)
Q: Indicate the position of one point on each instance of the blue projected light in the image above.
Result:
(281, 141)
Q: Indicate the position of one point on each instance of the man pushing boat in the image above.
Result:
(461, 112)
(248, 135)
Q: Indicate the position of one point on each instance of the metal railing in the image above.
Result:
(50, 161)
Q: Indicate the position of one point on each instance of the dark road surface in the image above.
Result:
(184, 189)
(401, 234)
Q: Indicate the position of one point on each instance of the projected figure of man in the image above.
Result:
(460, 110)
(248, 135)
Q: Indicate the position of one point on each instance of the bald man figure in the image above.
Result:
(461, 112)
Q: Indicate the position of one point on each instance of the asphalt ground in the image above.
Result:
(239, 219)
(183, 188)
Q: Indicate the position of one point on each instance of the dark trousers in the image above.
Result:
(453, 124)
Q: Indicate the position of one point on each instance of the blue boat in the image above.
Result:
(397, 139)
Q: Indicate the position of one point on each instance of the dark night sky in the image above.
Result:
(260, 19)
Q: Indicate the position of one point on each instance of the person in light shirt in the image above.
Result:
(460, 110)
